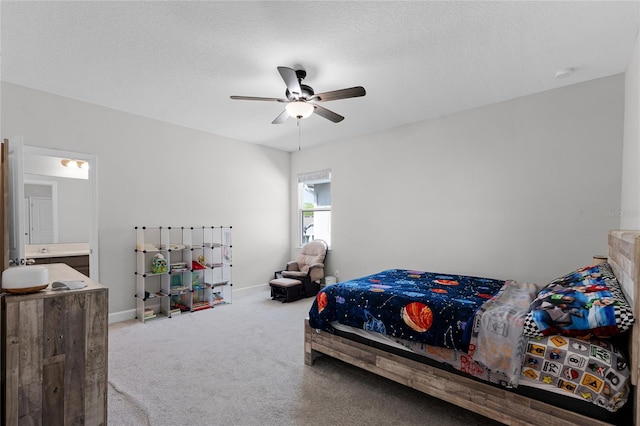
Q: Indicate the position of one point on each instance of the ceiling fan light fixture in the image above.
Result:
(299, 109)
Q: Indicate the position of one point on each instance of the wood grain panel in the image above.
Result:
(624, 258)
(30, 332)
(97, 326)
(74, 369)
(30, 404)
(96, 345)
(95, 398)
(54, 354)
(53, 390)
(10, 361)
(53, 327)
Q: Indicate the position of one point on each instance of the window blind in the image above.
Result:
(318, 176)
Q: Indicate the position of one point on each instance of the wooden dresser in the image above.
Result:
(54, 354)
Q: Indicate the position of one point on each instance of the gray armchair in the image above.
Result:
(308, 267)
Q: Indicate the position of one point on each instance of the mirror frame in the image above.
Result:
(92, 160)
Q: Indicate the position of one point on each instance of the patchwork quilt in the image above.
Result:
(418, 306)
(593, 370)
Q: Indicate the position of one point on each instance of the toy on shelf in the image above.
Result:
(197, 266)
(158, 264)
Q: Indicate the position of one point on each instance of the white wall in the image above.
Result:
(152, 173)
(520, 189)
(630, 206)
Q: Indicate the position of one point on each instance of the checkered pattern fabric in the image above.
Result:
(624, 318)
(530, 327)
(623, 312)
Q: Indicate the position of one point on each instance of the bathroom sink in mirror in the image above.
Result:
(55, 204)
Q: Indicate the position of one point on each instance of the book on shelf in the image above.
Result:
(178, 289)
(180, 306)
(200, 305)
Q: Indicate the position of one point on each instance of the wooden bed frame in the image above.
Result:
(498, 404)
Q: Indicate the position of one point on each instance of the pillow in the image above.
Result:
(584, 303)
(592, 273)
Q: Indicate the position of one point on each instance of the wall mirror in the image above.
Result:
(53, 204)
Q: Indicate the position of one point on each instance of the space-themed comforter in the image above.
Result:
(419, 306)
(476, 326)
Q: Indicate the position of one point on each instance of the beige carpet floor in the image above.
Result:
(243, 364)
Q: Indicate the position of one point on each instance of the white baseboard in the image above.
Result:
(251, 289)
(122, 316)
(131, 313)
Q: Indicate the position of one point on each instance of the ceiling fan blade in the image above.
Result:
(281, 118)
(351, 92)
(254, 98)
(291, 80)
(329, 115)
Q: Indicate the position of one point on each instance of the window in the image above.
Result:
(314, 204)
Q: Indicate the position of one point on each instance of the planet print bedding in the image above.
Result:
(426, 307)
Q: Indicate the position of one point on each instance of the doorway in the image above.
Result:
(41, 212)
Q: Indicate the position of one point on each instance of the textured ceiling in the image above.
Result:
(180, 61)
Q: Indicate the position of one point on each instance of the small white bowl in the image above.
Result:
(25, 279)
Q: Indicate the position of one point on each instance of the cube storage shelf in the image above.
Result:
(182, 269)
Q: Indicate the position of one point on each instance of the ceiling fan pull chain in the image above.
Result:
(299, 144)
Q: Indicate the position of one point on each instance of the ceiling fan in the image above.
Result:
(302, 101)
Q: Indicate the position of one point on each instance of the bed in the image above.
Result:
(494, 398)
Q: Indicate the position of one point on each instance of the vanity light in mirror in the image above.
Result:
(80, 164)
